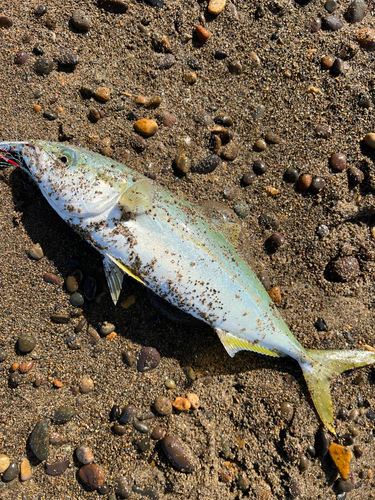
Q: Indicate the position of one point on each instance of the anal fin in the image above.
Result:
(115, 271)
(233, 344)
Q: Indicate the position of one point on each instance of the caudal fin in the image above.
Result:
(318, 373)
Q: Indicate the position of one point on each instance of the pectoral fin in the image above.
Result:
(233, 344)
(137, 198)
(115, 271)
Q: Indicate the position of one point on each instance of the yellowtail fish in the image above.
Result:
(143, 230)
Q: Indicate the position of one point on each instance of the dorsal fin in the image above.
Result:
(137, 198)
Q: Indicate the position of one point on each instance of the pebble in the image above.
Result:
(330, 6)
(356, 11)
(49, 115)
(26, 343)
(170, 384)
(275, 295)
(157, 433)
(286, 411)
(230, 152)
(327, 62)
(202, 34)
(64, 414)
(60, 318)
(3, 355)
(11, 473)
(370, 140)
(181, 404)
(190, 78)
(258, 113)
(320, 325)
(248, 178)
(57, 468)
(52, 278)
(364, 100)
(303, 463)
(80, 21)
(114, 413)
(357, 451)
(35, 252)
(193, 400)
(344, 269)
(107, 328)
(122, 489)
(76, 299)
(115, 6)
(5, 22)
(102, 94)
(220, 54)
(21, 58)
(92, 475)
(119, 429)
(72, 282)
(341, 457)
(259, 145)
(315, 25)
(337, 67)
(4, 463)
(43, 66)
(25, 470)
(291, 174)
(163, 406)
(235, 68)
(167, 119)
(321, 443)
(144, 444)
(26, 367)
(317, 184)
(39, 440)
(304, 182)
(128, 414)
(166, 61)
(86, 385)
(179, 455)
(242, 209)
(84, 455)
(272, 138)
(332, 23)
(141, 427)
(146, 127)
(215, 7)
(276, 240)
(14, 379)
(345, 486)
(259, 167)
(67, 60)
(366, 39)
(207, 165)
(322, 231)
(323, 131)
(338, 162)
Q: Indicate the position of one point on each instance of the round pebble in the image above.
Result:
(344, 269)
(102, 94)
(64, 414)
(11, 473)
(114, 413)
(119, 429)
(92, 475)
(248, 178)
(345, 485)
(115, 6)
(304, 182)
(291, 174)
(242, 209)
(179, 455)
(146, 127)
(317, 184)
(327, 62)
(84, 455)
(148, 360)
(128, 414)
(39, 440)
(330, 6)
(315, 25)
(337, 67)
(235, 68)
(26, 367)
(43, 66)
(193, 400)
(364, 100)
(322, 231)
(26, 343)
(356, 11)
(67, 60)
(190, 78)
(323, 131)
(181, 404)
(320, 325)
(287, 411)
(36, 252)
(258, 113)
(259, 167)
(370, 140)
(57, 468)
(202, 34)
(163, 406)
(260, 145)
(157, 433)
(77, 300)
(107, 328)
(122, 489)
(272, 138)
(80, 21)
(144, 444)
(3, 355)
(182, 164)
(170, 384)
(303, 463)
(332, 23)
(166, 61)
(276, 240)
(25, 470)
(230, 152)
(321, 443)
(215, 7)
(86, 385)
(141, 427)
(72, 282)
(4, 463)
(21, 58)
(275, 295)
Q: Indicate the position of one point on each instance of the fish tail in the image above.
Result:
(323, 365)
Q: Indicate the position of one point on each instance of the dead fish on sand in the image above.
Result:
(143, 230)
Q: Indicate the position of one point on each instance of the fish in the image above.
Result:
(164, 242)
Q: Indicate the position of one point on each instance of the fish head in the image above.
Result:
(75, 182)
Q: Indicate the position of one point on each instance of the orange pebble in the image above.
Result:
(194, 400)
(26, 367)
(341, 456)
(111, 336)
(275, 294)
(37, 108)
(57, 383)
(202, 34)
(14, 367)
(181, 404)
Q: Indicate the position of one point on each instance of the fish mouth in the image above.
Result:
(12, 153)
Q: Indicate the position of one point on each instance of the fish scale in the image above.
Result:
(143, 230)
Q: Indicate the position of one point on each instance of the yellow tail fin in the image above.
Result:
(324, 365)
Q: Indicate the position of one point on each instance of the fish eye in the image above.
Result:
(64, 159)
(67, 157)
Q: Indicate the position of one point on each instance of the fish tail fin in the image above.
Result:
(318, 373)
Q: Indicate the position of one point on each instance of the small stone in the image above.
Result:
(341, 457)
(268, 222)
(115, 6)
(259, 167)
(166, 61)
(84, 455)
(4, 463)
(304, 182)
(80, 21)
(141, 427)
(170, 384)
(77, 300)
(86, 385)
(215, 7)
(202, 34)
(114, 413)
(190, 78)
(119, 429)
(323, 130)
(72, 282)
(370, 140)
(57, 383)
(276, 240)
(153, 102)
(14, 379)
(146, 127)
(321, 443)
(327, 62)
(315, 25)
(181, 404)
(291, 174)
(304, 463)
(52, 278)
(179, 455)
(320, 325)
(235, 68)
(356, 176)
(332, 23)
(357, 451)
(272, 138)
(138, 143)
(364, 100)
(39, 440)
(26, 343)
(87, 91)
(220, 54)
(366, 39)
(167, 119)
(148, 360)
(287, 411)
(36, 252)
(182, 164)
(193, 400)
(14, 367)
(43, 66)
(317, 184)
(207, 165)
(5, 22)
(157, 433)
(345, 486)
(25, 470)
(163, 406)
(3, 355)
(67, 60)
(337, 67)
(21, 58)
(144, 444)
(26, 367)
(107, 328)
(11, 473)
(225, 120)
(275, 295)
(57, 468)
(64, 414)
(102, 94)
(241, 209)
(343, 269)
(37, 108)
(248, 178)
(128, 414)
(230, 152)
(122, 489)
(49, 115)
(330, 6)
(92, 475)
(259, 145)
(356, 11)
(60, 318)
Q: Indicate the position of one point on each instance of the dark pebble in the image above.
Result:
(92, 475)
(356, 11)
(64, 414)
(26, 343)
(230, 152)
(122, 489)
(39, 440)
(320, 325)
(14, 379)
(86, 91)
(49, 115)
(104, 490)
(141, 427)
(303, 463)
(5, 21)
(67, 60)
(235, 68)
(166, 61)
(370, 415)
(57, 468)
(357, 451)
(60, 318)
(43, 66)
(276, 240)
(11, 473)
(146, 492)
(364, 100)
(178, 454)
(40, 10)
(89, 288)
(81, 325)
(215, 142)
(330, 6)
(291, 174)
(317, 185)
(128, 358)
(226, 135)
(224, 120)
(268, 222)
(114, 413)
(264, 279)
(337, 162)
(259, 167)
(345, 485)
(119, 429)
(316, 25)
(220, 54)
(115, 6)
(343, 270)
(38, 51)
(321, 443)
(144, 444)
(194, 64)
(157, 433)
(323, 130)
(3, 355)
(337, 67)
(207, 165)
(21, 58)
(128, 414)
(311, 451)
(347, 440)
(286, 411)
(342, 414)
(95, 115)
(80, 21)
(332, 23)
(163, 406)
(356, 176)
(77, 300)
(248, 178)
